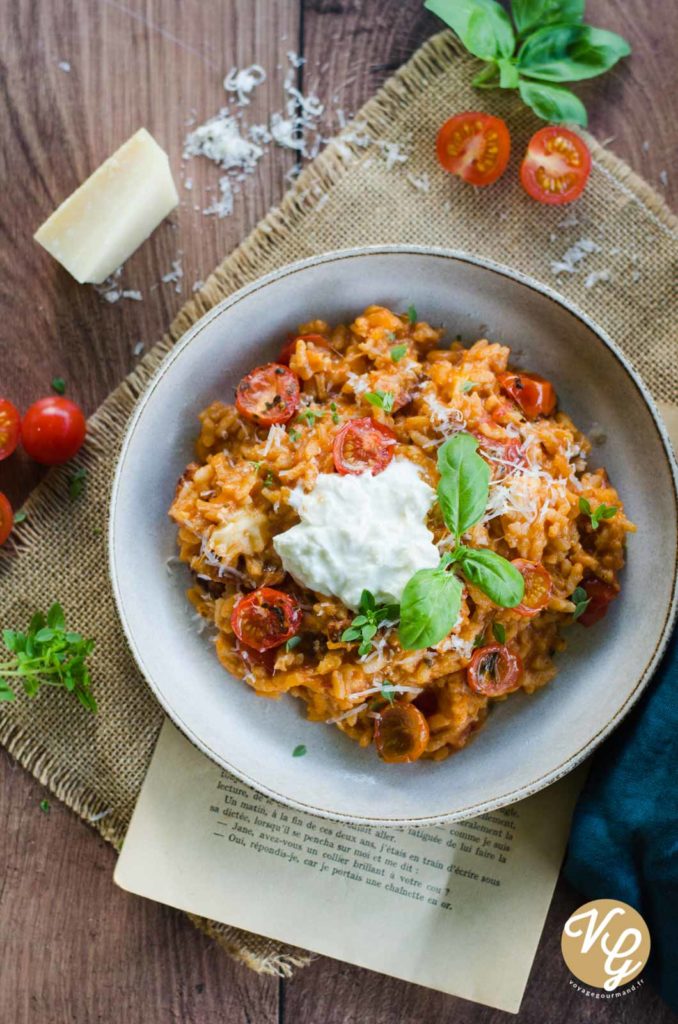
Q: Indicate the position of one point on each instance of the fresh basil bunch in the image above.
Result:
(431, 600)
(547, 43)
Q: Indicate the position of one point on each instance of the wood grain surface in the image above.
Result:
(73, 948)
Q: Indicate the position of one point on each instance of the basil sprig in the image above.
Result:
(431, 600)
(548, 43)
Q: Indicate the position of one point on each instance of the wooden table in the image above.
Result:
(73, 947)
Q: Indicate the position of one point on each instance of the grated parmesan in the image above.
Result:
(244, 82)
(574, 255)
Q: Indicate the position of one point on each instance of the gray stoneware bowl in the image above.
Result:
(528, 742)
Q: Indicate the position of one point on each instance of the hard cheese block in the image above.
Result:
(102, 223)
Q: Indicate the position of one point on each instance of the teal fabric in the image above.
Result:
(624, 840)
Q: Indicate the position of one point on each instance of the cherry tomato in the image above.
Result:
(265, 618)
(475, 146)
(600, 595)
(401, 734)
(494, 670)
(10, 428)
(53, 430)
(268, 394)
(363, 444)
(6, 518)
(319, 340)
(538, 587)
(534, 394)
(556, 166)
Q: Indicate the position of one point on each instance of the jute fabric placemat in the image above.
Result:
(622, 246)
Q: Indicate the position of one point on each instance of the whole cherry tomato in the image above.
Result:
(53, 430)
(6, 518)
(10, 428)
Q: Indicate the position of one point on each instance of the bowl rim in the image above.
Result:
(480, 807)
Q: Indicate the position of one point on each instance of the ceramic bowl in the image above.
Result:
(528, 742)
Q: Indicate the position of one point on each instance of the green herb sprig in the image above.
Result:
(581, 601)
(381, 399)
(47, 654)
(398, 352)
(546, 43)
(431, 599)
(595, 515)
(368, 620)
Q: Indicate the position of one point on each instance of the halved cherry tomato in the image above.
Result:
(556, 166)
(538, 587)
(268, 394)
(534, 394)
(494, 670)
(319, 340)
(53, 430)
(265, 618)
(6, 518)
(363, 444)
(10, 428)
(600, 595)
(475, 146)
(401, 734)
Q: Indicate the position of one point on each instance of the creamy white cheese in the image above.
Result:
(361, 533)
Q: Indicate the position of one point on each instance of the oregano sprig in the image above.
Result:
(595, 515)
(47, 654)
(368, 621)
(547, 43)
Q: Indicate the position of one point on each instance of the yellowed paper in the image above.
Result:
(424, 904)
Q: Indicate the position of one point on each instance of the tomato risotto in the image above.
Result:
(394, 530)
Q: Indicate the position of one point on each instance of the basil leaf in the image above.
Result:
(570, 53)
(496, 577)
(553, 103)
(429, 608)
(464, 483)
(532, 14)
(482, 25)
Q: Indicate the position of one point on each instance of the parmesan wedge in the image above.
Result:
(107, 218)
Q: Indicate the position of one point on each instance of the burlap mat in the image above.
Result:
(347, 197)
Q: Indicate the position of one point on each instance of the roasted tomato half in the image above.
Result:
(268, 394)
(556, 166)
(475, 146)
(401, 734)
(6, 518)
(319, 340)
(534, 394)
(600, 596)
(265, 618)
(494, 670)
(10, 428)
(538, 587)
(362, 445)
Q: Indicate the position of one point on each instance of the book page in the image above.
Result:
(422, 904)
